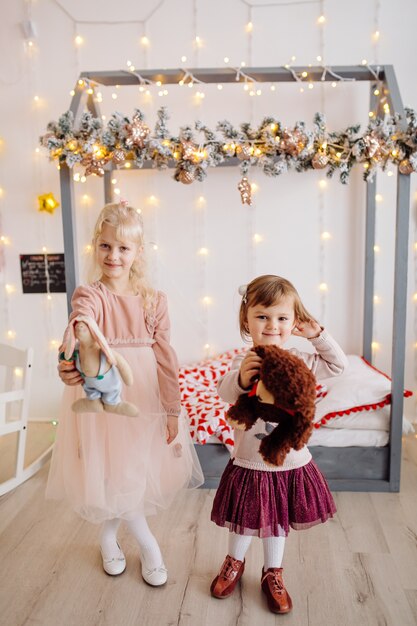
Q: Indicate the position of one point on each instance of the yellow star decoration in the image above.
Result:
(47, 202)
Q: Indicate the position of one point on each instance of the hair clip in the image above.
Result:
(123, 202)
(243, 291)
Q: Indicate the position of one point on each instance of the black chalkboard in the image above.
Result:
(42, 273)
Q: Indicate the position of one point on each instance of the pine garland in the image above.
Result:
(272, 147)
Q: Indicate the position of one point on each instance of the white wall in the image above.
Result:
(286, 210)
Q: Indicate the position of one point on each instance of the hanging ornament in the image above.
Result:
(405, 167)
(293, 141)
(93, 165)
(47, 202)
(371, 145)
(118, 156)
(244, 151)
(136, 132)
(186, 177)
(188, 150)
(319, 160)
(245, 191)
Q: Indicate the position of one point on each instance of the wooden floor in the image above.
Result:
(359, 569)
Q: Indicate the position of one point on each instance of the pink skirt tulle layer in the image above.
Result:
(109, 465)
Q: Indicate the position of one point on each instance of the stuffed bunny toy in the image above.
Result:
(284, 395)
(102, 369)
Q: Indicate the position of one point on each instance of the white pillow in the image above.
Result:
(361, 387)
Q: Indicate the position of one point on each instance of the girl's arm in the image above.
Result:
(166, 359)
(229, 387)
(329, 359)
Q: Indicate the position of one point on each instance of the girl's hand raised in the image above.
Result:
(249, 369)
(309, 330)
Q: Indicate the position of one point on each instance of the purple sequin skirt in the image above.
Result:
(267, 504)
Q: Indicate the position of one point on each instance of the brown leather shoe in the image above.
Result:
(225, 582)
(278, 598)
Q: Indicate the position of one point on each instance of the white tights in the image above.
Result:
(273, 548)
(139, 528)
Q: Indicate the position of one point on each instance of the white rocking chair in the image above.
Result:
(15, 379)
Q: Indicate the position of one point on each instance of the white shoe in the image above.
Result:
(155, 577)
(115, 565)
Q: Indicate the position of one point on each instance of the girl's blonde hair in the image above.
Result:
(129, 226)
(268, 290)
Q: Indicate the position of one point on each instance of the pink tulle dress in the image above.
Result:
(109, 465)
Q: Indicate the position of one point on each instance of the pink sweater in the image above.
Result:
(124, 322)
(329, 360)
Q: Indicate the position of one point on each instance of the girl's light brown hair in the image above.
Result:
(129, 227)
(268, 290)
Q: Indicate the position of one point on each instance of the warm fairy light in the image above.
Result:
(153, 200)
(415, 297)
(364, 62)
(9, 288)
(114, 96)
(90, 91)
(375, 345)
(246, 87)
(366, 166)
(322, 183)
(83, 179)
(198, 41)
(201, 201)
(1, 192)
(377, 299)
(183, 59)
(80, 82)
(376, 92)
(334, 84)
(219, 87)
(128, 165)
(18, 372)
(257, 238)
(273, 87)
(323, 287)
(78, 40)
(321, 19)
(379, 197)
(203, 251)
(390, 173)
(371, 113)
(386, 108)
(72, 92)
(293, 59)
(394, 153)
(206, 346)
(249, 27)
(376, 35)
(76, 177)
(226, 59)
(117, 191)
(325, 235)
(154, 246)
(377, 248)
(207, 300)
(304, 74)
(36, 98)
(88, 248)
(114, 181)
(11, 334)
(319, 59)
(273, 127)
(310, 86)
(242, 64)
(144, 41)
(5, 241)
(54, 344)
(44, 249)
(254, 187)
(49, 297)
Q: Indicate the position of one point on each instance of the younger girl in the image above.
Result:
(255, 499)
(113, 467)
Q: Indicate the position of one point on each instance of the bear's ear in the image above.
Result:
(260, 351)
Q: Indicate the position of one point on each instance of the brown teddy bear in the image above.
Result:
(285, 395)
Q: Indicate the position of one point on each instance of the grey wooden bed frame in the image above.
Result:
(347, 469)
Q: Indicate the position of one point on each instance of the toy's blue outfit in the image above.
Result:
(106, 386)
